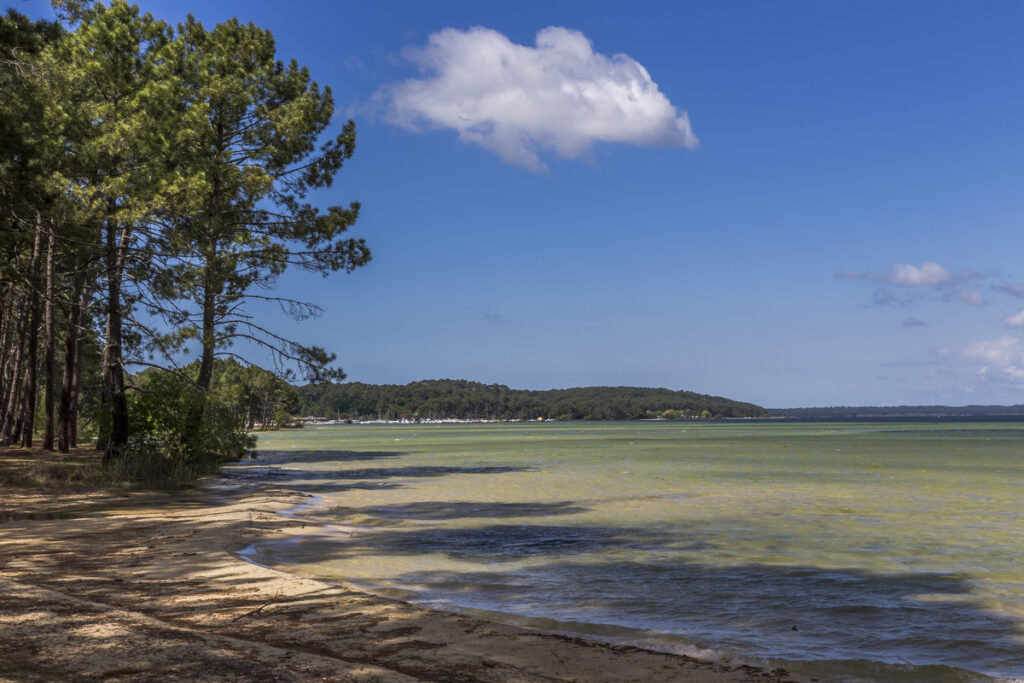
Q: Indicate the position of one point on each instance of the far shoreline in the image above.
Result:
(1008, 417)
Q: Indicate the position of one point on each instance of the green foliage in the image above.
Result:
(256, 397)
(171, 171)
(246, 154)
(161, 447)
(459, 399)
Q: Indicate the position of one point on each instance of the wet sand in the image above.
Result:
(147, 586)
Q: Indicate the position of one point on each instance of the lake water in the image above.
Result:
(879, 551)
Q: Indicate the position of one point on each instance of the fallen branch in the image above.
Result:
(258, 611)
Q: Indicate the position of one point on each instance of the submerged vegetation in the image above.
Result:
(153, 183)
(460, 399)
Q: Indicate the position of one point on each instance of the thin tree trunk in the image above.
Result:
(69, 387)
(208, 333)
(76, 381)
(210, 295)
(113, 360)
(64, 409)
(26, 423)
(50, 361)
(6, 344)
(11, 398)
(8, 341)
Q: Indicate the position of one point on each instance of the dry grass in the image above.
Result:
(34, 468)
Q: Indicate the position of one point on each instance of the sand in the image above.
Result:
(147, 587)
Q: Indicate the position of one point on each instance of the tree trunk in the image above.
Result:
(11, 397)
(26, 423)
(67, 413)
(209, 337)
(76, 382)
(50, 361)
(6, 340)
(113, 359)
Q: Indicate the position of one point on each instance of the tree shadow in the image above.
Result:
(442, 510)
(169, 565)
(82, 598)
(275, 464)
(577, 573)
(153, 596)
(413, 471)
(277, 475)
(791, 613)
(305, 457)
(285, 469)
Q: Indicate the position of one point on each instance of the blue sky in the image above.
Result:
(791, 203)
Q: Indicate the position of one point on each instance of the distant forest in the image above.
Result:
(903, 412)
(461, 399)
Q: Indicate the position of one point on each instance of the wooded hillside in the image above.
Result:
(461, 399)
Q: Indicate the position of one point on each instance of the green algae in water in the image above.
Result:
(872, 546)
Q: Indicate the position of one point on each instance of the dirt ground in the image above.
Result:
(122, 585)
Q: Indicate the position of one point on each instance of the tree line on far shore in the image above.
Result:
(153, 186)
(898, 412)
(461, 399)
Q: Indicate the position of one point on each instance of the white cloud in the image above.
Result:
(970, 296)
(904, 274)
(1015, 320)
(1004, 356)
(518, 101)
(928, 275)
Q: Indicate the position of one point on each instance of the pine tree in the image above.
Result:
(249, 156)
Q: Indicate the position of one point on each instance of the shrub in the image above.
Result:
(178, 433)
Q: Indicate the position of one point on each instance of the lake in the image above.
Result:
(880, 550)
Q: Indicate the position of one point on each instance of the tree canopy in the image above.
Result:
(460, 399)
(155, 182)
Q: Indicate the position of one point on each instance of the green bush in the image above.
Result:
(178, 433)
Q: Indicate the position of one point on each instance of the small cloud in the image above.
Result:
(886, 297)
(970, 296)
(914, 322)
(1003, 357)
(883, 297)
(1016, 291)
(917, 281)
(493, 316)
(928, 274)
(1015, 320)
(518, 101)
(352, 63)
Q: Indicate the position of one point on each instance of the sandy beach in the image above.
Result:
(147, 586)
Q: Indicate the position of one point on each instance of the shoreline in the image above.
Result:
(151, 587)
